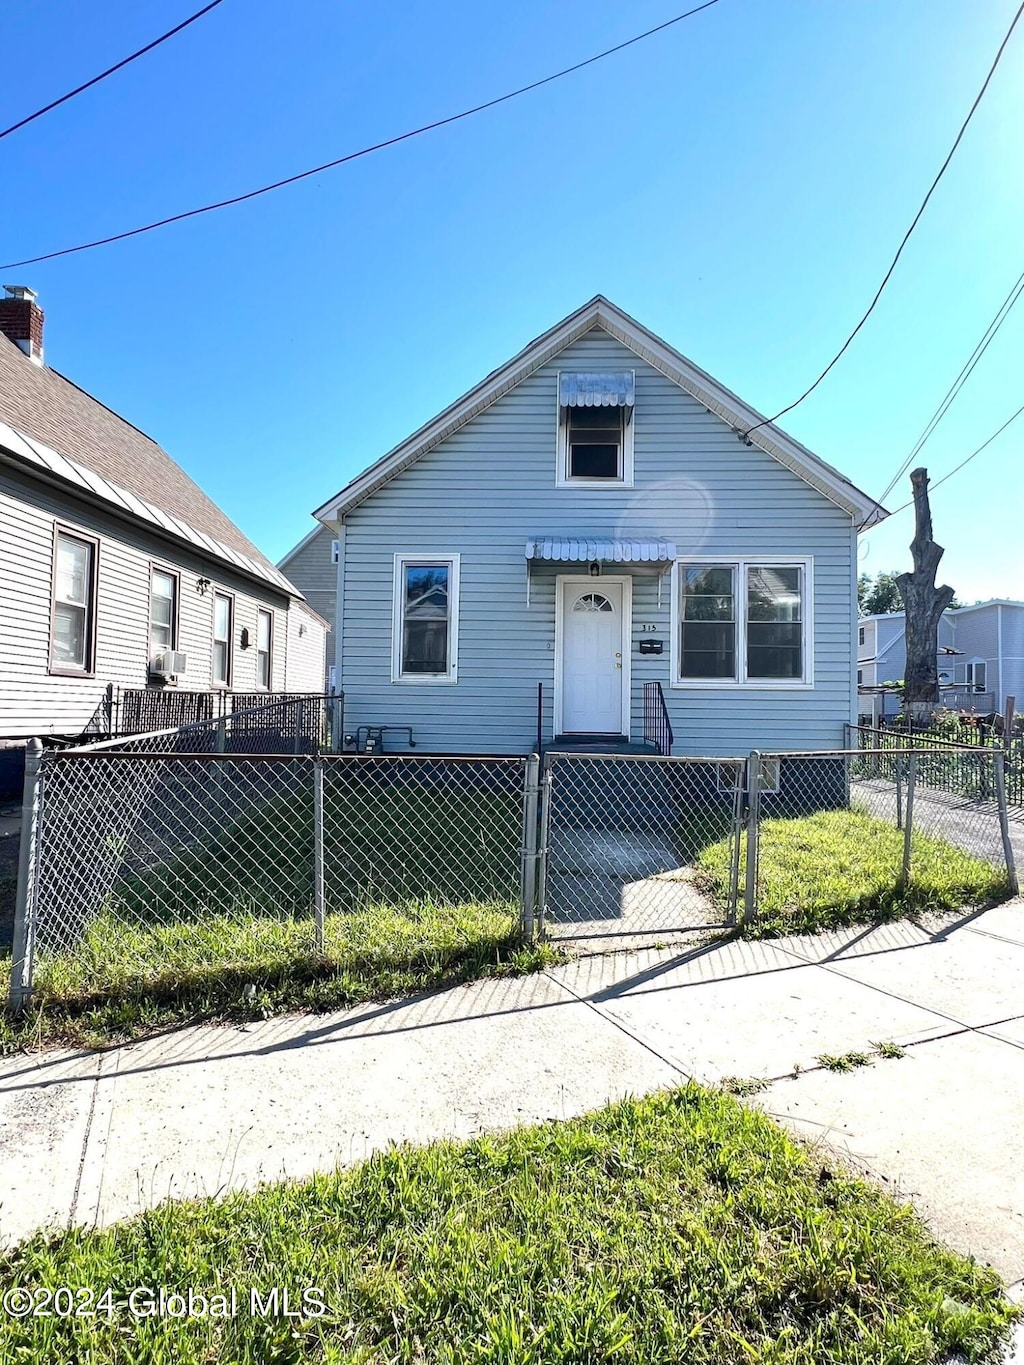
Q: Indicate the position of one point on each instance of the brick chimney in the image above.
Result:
(21, 319)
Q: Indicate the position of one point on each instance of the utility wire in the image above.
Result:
(956, 470)
(917, 218)
(366, 151)
(109, 71)
(1002, 314)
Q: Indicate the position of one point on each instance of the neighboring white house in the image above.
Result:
(596, 515)
(980, 660)
(118, 570)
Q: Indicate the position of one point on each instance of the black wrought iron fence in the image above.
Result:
(946, 765)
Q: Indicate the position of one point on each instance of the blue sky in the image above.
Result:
(738, 183)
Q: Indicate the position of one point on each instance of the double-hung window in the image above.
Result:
(595, 429)
(264, 648)
(223, 612)
(426, 619)
(742, 622)
(163, 612)
(73, 617)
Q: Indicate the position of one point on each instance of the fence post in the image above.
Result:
(542, 855)
(753, 836)
(337, 713)
(908, 828)
(898, 761)
(318, 852)
(23, 955)
(528, 880)
(734, 856)
(999, 766)
(221, 736)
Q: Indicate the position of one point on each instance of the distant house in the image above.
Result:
(312, 566)
(980, 658)
(118, 570)
(602, 524)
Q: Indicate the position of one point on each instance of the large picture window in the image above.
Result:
(73, 617)
(425, 643)
(742, 622)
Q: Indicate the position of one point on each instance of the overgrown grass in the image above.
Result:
(841, 867)
(124, 980)
(680, 1228)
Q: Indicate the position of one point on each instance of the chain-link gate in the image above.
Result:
(639, 845)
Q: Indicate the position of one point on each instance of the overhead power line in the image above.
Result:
(957, 468)
(366, 151)
(110, 70)
(991, 330)
(906, 237)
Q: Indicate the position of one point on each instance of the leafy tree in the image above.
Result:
(881, 594)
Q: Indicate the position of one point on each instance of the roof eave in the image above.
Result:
(600, 312)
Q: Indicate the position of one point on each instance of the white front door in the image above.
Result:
(592, 672)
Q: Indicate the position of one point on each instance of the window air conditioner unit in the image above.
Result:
(168, 664)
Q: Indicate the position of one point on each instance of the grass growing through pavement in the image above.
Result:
(842, 867)
(680, 1228)
(124, 980)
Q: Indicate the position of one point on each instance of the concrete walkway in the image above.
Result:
(95, 1137)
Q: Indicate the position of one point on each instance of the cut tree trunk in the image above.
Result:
(923, 604)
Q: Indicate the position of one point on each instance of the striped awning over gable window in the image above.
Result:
(614, 389)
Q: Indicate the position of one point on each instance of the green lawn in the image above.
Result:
(842, 867)
(686, 1228)
(126, 979)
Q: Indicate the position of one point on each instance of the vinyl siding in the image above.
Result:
(306, 646)
(34, 702)
(314, 574)
(977, 635)
(487, 488)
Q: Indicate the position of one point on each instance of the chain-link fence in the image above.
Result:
(154, 855)
(639, 845)
(136, 864)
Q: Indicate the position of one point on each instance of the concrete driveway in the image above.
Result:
(95, 1137)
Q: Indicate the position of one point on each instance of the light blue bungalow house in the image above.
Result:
(601, 525)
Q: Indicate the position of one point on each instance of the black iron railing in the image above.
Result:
(657, 726)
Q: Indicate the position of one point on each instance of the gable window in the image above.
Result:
(426, 617)
(73, 616)
(223, 612)
(163, 612)
(264, 648)
(595, 429)
(860, 636)
(744, 622)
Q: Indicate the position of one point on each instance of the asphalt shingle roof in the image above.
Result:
(42, 404)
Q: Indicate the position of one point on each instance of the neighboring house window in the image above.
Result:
(223, 611)
(860, 676)
(426, 619)
(976, 673)
(595, 429)
(860, 636)
(335, 551)
(264, 647)
(745, 622)
(73, 621)
(163, 611)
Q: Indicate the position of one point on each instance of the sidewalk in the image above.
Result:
(96, 1137)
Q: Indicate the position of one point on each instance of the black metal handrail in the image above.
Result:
(657, 726)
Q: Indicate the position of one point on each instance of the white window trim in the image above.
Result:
(562, 477)
(741, 564)
(402, 558)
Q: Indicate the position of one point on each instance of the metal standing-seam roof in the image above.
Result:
(76, 438)
(578, 549)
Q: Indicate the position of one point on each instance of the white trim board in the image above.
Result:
(600, 313)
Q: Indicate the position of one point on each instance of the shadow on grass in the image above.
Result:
(125, 980)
